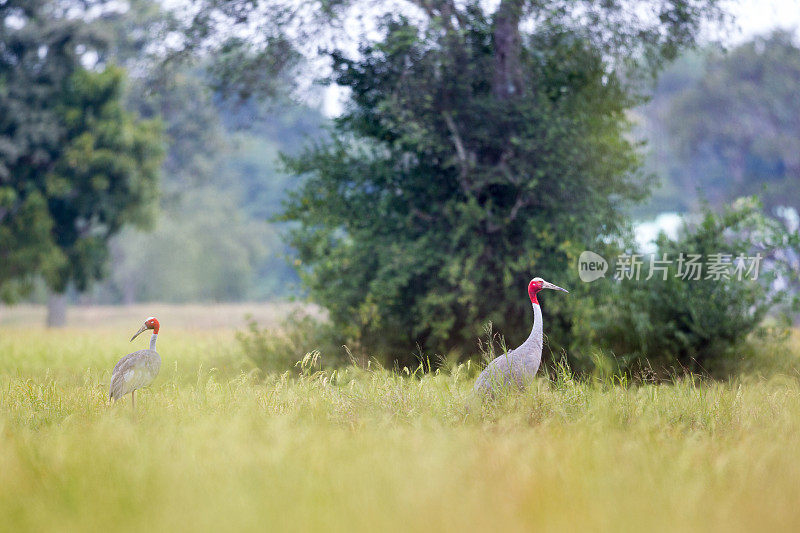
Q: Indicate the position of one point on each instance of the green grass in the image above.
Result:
(215, 445)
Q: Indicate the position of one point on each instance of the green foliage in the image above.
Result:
(721, 125)
(437, 201)
(25, 242)
(194, 136)
(30, 132)
(279, 349)
(243, 64)
(175, 94)
(106, 176)
(222, 187)
(201, 249)
(639, 43)
(699, 324)
(220, 180)
(74, 166)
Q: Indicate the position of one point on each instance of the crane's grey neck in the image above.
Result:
(153, 339)
(532, 347)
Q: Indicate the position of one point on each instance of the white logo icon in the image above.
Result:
(591, 266)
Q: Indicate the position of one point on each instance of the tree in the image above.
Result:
(28, 138)
(736, 130)
(219, 177)
(69, 149)
(25, 243)
(176, 95)
(220, 252)
(106, 176)
(472, 157)
(674, 192)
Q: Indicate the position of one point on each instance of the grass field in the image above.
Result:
(215, 445)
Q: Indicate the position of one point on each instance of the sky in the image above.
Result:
(760, 16)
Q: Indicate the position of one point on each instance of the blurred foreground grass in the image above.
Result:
(217, 446)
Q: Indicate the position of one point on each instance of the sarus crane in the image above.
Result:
(517, 367)
(137, 369)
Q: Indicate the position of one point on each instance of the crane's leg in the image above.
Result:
(133, 400)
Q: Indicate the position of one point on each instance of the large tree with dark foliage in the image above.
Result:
(72, 160)
(473, 156)
(482, 145)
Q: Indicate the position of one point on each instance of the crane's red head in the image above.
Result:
(537, 284)
(150, 323)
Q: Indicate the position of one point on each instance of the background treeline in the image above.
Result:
(210, 236)
(214, 240)
(221, 185)
(718, 125)
(723, 123)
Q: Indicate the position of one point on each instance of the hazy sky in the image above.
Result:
(759, 16)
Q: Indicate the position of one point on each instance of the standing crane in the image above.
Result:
(518, 366)
(137, 369)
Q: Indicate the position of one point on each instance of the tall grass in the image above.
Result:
(217, 445)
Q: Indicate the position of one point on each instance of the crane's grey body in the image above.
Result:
(135, 370)
(517, 367)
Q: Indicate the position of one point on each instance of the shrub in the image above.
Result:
(280, 349)
(699, 324)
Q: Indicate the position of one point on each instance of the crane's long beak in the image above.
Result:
(141, 329)
(548, 285)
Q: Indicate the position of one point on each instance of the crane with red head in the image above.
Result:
(517, 367)
(137, 369)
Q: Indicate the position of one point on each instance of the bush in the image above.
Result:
(280, 349)
(698, 325)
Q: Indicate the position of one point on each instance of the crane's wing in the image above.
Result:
(510, 370)
(496, 374)
(134, 371)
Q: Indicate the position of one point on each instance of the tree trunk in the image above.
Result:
(507, 81)
(56, 310)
